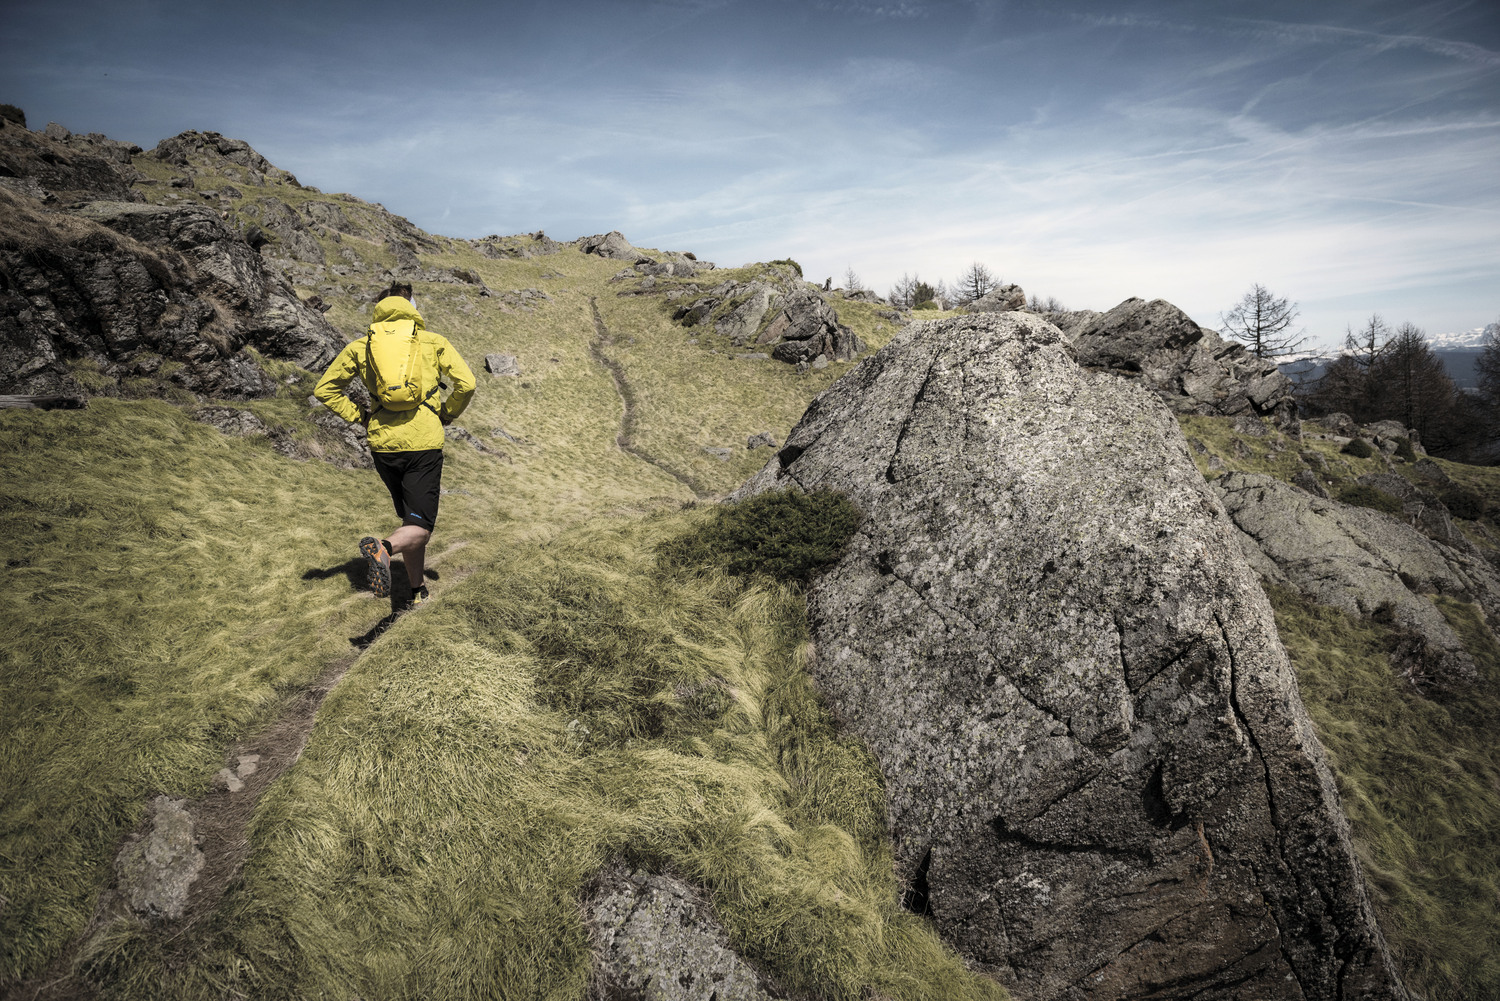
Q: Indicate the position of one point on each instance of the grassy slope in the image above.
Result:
(488, 756)
(1420, 780)
(171, 588)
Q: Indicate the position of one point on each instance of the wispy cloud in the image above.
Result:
(900, 9)
(1327, 34)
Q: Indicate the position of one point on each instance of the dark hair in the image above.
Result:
(402, 289)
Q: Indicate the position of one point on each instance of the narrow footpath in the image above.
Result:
(625, 439)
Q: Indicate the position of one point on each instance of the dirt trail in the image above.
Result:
(625, 439)
(220, 819)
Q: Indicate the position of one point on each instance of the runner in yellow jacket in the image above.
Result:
(407, 445)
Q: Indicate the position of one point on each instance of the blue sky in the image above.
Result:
(1346, 155)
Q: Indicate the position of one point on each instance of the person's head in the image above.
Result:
(403, 289)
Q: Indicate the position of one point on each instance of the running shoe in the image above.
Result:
(380, 565)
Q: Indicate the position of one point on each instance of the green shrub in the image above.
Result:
(1462, 502)
(11, 113)
(1404, 449)
(788, 535)
(928, 304)
(1359, 448)
(1361, 495)
(791, 264)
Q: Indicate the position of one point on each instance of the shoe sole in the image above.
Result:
(380, 565)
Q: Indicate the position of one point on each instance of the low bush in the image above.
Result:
(788, 536)
(1462, 502)
(1361, 495)
(11, 113)
(1359, 448)
(789, 263)
(1404, 449)
(928, 304)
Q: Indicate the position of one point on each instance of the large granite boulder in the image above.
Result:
(1194, 370)
(1367, 563)
(1101, 779)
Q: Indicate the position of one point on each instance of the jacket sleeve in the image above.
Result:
(330, 388)
(452, 364)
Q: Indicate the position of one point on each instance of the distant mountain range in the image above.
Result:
(1464, 338)
(1457, 351)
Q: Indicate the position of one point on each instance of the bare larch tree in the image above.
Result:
(1262, 320)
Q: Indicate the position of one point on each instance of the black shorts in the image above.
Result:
(413, 478)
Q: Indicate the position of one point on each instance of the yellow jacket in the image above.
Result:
(400, 430)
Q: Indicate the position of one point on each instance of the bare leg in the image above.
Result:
(411, 542)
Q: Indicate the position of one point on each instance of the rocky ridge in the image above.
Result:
(1072, 682)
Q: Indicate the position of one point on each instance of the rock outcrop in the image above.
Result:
(1101, 779)
(58, 167)
(1004, 299)
(1367, 563)
(1192, 369)
(612, 245)
(159, 294)
(776, 311)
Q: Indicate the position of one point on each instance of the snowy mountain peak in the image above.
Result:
(1464, 338)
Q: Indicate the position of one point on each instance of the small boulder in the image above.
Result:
(156, 869)
(501, 364)
(762, 440)
(658, 938)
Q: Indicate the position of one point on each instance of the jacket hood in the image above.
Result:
(395, 307)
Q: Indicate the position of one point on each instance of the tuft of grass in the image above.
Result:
(1361, 449)
(1363, 495)
(789, 263)
(786, 535)
(1420, 782)
(487, 757)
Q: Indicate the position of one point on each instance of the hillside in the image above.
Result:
(603, 748)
